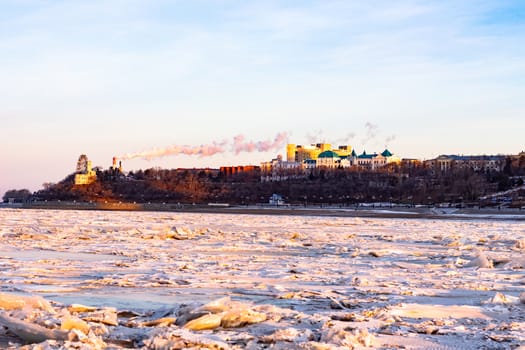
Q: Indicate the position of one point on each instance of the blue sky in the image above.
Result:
(108, 78)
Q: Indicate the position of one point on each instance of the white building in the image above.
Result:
(477, 163)
(375, 161)
(278, 170)
(328, 159)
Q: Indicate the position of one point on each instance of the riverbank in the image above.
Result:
(418, 212)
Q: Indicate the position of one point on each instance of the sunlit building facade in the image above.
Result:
(85, 174)
(299, 153)
(374, 161)
(278, 170)
(301, 160)
(445, 163)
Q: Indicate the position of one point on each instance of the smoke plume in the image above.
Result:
(371, 132)
(316, 137)
(346, 138)
(390, 139)
(237, 146)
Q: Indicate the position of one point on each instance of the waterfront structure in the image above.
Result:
(85, 174)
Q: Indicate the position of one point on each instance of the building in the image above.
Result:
(276, 199)
(308, 164)
(374, 161)
(301, 160)
(298, 153)
(518, 160)
(232, 171)
(277, 170)
(328, 159)
(344, 151)
(114, 166)
(82, 164)
(485, 163)
(349, 161)
(410, 163)
(85, 174)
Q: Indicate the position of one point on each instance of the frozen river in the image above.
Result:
(177, 280)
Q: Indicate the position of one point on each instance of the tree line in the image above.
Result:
(411, 184)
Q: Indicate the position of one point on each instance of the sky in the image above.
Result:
(120, 78)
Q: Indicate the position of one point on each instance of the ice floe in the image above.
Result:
(118, 280)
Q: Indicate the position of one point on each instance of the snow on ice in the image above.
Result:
(117, 280)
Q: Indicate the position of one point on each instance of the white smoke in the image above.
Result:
(390, 139)
(237, 146)
(371, 132)
(316, 137)
(346, 139)
(240, 145)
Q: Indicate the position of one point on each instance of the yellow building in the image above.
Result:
(343, 151)
(306, 152)
(324, 147)
(85, 174)
(290, 152)
(298, 153)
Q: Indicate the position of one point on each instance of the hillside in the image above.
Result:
(415, 185)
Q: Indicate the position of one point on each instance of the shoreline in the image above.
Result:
(327, 211)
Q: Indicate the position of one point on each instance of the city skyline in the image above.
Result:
(110, 78)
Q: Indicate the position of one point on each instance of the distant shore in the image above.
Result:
(420, 212)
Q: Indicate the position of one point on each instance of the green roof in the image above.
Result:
(328, 154)
(386, 153)
(367, 156)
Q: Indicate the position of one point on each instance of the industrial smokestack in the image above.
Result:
(115, 162)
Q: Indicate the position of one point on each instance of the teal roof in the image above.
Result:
(328, 154)
(353, 153)
(386, 153)
(367, 156)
